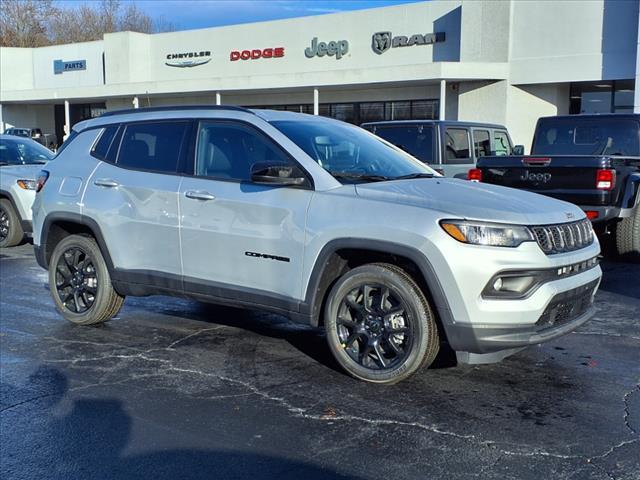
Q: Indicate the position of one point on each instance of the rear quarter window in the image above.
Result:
(101, 147)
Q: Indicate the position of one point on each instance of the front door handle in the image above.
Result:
(197, 195)
(106, 182)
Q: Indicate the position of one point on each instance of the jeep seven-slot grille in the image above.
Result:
(567, 306)
(564, 237)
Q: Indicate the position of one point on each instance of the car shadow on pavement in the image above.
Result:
(89, 442)
(308, 340)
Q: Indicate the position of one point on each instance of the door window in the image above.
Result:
(502, 143)
(228, 151)
(154, 146)
(456, 144)
(481, 143)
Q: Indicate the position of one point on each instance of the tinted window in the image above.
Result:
(414, 139)
(106, 138)
(152, 146)
(568, 136)
(350, 153)
(481, 143)
(17, 151)
(502, 144)
(456, 145)
(227, 150)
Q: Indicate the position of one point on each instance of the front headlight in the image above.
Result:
(26, 184)
(490, 234)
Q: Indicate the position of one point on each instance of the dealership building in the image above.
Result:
(508, 62)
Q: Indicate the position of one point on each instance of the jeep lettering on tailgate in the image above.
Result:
(535, 177)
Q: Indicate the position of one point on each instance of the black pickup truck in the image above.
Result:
(592, 161)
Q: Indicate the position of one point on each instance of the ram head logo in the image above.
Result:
(381, 42)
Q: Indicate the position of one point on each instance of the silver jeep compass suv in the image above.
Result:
(313, 218)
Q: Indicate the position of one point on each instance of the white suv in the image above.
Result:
(315, 219)
(20, 161)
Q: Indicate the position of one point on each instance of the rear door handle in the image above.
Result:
(196, 195)
(106, 182)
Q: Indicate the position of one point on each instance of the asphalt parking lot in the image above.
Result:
(178, 389)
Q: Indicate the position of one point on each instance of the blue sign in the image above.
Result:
(60, 67)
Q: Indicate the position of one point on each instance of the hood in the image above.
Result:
(29, 172)
(475, 201)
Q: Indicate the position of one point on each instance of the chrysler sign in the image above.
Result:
(188, 59)
(383, 41)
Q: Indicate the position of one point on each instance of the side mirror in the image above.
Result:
(277, 174)
(518, 150)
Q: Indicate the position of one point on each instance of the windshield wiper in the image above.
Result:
(359, 176)
(2, 164)
(414, 175)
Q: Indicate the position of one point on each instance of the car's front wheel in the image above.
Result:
(11, 233)
(79, 282)
(379, 325)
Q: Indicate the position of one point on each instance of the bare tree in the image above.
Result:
(31, 23)
(24, 23)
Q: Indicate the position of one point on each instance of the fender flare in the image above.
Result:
(43, 255)
(313, 302)
(631, 194)
(6, 194)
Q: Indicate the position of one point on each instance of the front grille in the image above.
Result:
(564, 237)
(567, 306)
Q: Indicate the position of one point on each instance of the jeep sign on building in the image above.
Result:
(506, 62)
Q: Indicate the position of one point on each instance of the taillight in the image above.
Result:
(592, 214)
(41, 179)
(475, 175)
(605, 179)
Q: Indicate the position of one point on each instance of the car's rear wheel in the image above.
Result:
(628, 234)
(79, 282)
(11, 233)
(380, 327)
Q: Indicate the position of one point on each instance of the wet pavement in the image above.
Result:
(179, 389)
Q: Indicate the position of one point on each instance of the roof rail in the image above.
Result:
(174, 108)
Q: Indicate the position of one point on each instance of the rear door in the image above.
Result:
(457, 153)
(240, 239)
(133, 195)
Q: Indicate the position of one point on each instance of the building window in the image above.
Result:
(602, 97)
(623, 96)
(361, 112)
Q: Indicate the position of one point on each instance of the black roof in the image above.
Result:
(433, 122)
(635, 116)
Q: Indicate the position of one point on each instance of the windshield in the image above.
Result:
(414, 139)
(23, 152)
(350, 153)
(568, 136)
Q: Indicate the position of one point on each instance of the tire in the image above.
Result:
(362, 336)
(11, 233)
(628, 234)
(88, 297)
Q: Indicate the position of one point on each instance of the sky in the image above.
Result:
(190, 14)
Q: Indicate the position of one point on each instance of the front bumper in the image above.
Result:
(482, 329)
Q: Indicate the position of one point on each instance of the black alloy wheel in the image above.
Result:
(380, 326)
(373, 326)
(5, 224)
(76, 280)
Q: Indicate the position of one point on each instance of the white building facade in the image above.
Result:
(505, 61)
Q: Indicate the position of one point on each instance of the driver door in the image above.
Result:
(240, 239)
